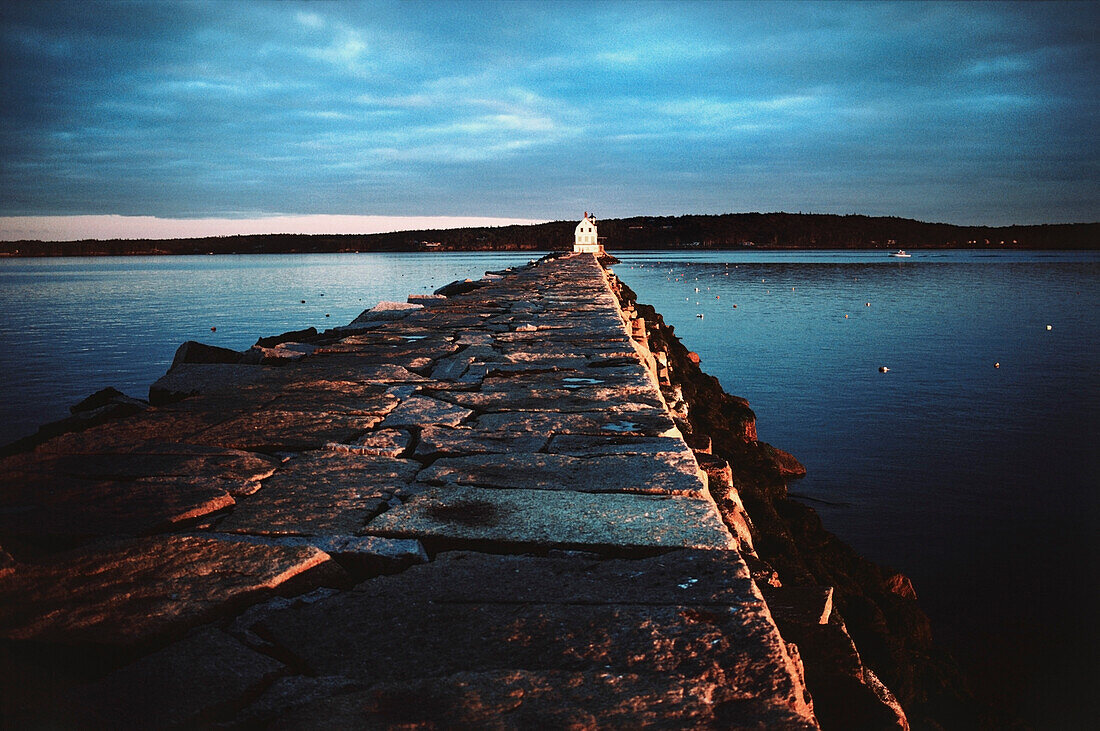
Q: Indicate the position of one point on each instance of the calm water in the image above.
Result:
(978, 482)
(72, 326)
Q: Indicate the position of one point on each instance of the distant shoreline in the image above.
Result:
(726, 232)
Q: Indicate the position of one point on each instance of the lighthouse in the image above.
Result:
(585, 239)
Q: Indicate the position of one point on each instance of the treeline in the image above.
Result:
(728, 231)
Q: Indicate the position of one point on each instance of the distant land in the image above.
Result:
(726, 231)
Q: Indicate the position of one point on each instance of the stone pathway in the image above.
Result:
(470, 511)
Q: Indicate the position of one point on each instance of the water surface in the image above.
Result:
(72, 326)
(978, 481)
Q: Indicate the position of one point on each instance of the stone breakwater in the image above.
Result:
(474, 509)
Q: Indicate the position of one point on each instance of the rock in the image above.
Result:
(276, 356)
(321, 493)
(426, 300)
(386, 312)
(384, 443)
(362, 556)
(558, 640)
(783, 462)
(189, 379)
(180, 685)
(584, 445)
(232, 469)
(293, 335)
(437, 441)
(458, 516)
(610, 422)
(661, 474)
(50, 511)
(901, 585)
(7, 563)
(107, 397)
(135, 591)
(286, 431)
(805, 604)
(292, 692)
(458, 287)
(196, 352)
(421, 410)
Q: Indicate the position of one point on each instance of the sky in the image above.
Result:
(180, 117)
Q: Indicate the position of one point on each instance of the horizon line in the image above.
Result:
(106, 227)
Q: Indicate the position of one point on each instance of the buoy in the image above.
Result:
(735, 307)
(883, 369)
(213, 329)
(717, 296)
(1050, 327)
(845, 317)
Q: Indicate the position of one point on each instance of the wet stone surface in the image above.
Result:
(473, 511)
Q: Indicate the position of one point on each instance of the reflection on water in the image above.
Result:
(977, 481)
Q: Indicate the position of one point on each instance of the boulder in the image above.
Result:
(293, 335)
(196, 352)
(459, 286)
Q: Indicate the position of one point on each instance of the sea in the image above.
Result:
(945, 405)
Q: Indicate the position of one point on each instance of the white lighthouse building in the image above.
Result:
(585, 238)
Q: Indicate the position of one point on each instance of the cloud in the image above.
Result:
(202, 109)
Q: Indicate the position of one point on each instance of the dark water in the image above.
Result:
(978, 482)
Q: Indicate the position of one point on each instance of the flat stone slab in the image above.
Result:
(286, 431)
(187, 379)
(130, 592)
(421, 410)
(583, 445)
(561, 519)
(45, 510)
(641, 421)
(441, 440)
(693, 577)
(523, 699)
(668, 473)
(325, 396)
(173, 687)
(521, 398)
(364, 555)
(159, 460)
(664, 638)
(154, 425)
(383, 443)
(321, 493)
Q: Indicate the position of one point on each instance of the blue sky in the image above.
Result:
(965, 113)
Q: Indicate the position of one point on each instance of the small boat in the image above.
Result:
(901, 254)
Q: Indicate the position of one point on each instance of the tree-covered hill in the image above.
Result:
(727, 231)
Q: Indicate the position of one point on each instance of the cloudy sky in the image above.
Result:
(237, 111)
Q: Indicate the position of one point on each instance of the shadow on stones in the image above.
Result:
(470, 513)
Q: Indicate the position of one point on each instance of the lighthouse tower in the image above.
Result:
(585, 237)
